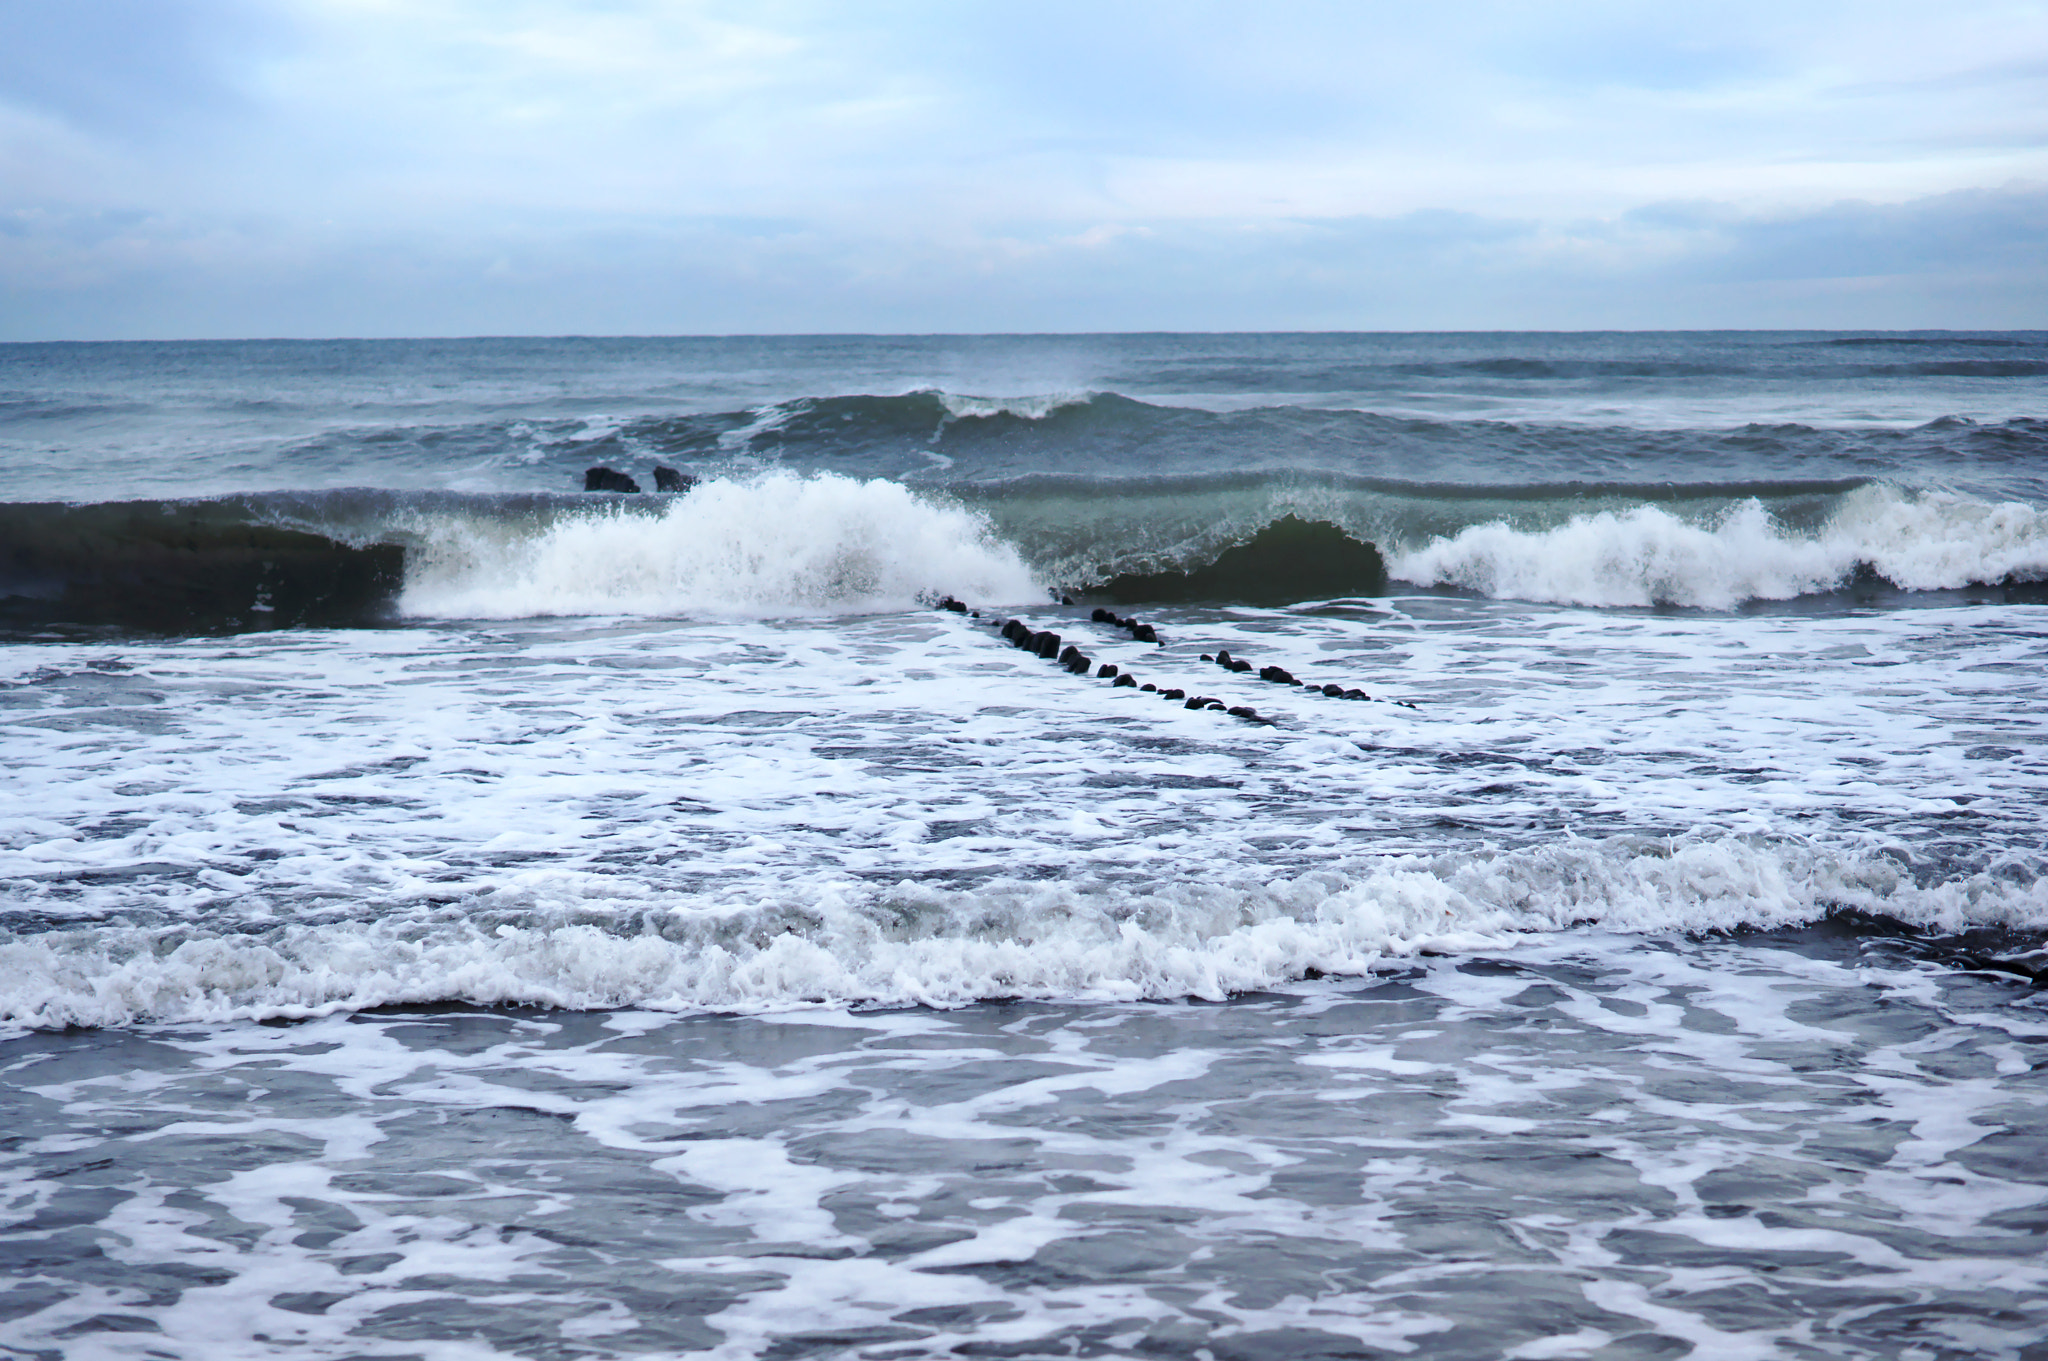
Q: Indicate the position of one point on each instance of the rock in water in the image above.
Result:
(668, 479)
(608, 479)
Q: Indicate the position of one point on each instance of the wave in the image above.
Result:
(587, 942)
(777, 542)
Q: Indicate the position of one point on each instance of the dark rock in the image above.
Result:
(1223, 657)
(1356, 694)
(1108, 671)
(1066, 600)
(1198, 702)
(1102, 616)
(1015, 631)
(1237, 664)
(1175, 693)
(608, 479)
(1144, 634)
(1128, 679)
(1148, 687)
(949, 603)
(1076, 661)
(668, 479)
(1242, 711)
(1334, 691)
(1207, 658)
(1278, 675)
(1046, 645)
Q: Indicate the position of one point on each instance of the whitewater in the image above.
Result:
(1523, 846)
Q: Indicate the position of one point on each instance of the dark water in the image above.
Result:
(444, 913)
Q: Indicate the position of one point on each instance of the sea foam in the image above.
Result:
(768, 545)
(584, 941)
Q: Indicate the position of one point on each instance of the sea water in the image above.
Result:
(450, 914)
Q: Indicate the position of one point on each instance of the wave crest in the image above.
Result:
(773, 544)
(1646, 555)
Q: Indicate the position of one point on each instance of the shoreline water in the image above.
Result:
(664, 933)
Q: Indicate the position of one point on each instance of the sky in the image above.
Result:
(226, 168)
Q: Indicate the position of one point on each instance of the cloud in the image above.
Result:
(441, 166)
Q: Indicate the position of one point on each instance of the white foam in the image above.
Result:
(586, 942)
(1648, 556)
(768, 545)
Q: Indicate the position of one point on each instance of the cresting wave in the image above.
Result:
(585, 942)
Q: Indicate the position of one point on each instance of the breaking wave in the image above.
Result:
(781, 542)
(1647, 555)
(773, 544)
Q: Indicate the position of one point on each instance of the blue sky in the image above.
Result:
(175, 168)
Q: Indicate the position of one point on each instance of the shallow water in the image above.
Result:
(1790, 1145)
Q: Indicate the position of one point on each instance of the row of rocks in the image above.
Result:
(611, 479)
(1280, 675)
(1144, 633)
(1047, 644)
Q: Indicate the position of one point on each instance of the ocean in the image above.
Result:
(1211, 846)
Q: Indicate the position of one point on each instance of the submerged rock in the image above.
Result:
(608, 479)
(668, 479)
